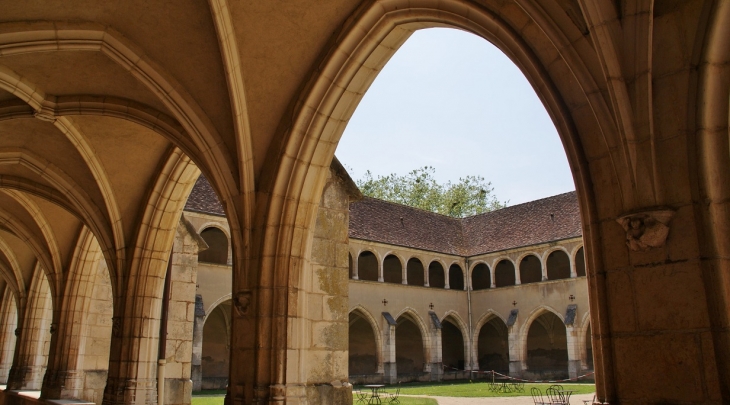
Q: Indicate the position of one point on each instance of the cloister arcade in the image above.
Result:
(110, 110)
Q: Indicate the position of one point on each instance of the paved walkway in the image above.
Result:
(574, 400)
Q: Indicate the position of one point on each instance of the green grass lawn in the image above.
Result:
(442, 389)
(481, 389)
(212, 400)
(216, 398)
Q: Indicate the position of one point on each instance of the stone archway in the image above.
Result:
(546, 347)
(216, 347)
(493, 346)
(363, 347)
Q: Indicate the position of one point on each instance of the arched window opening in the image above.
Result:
(589, 348)
(216, 347)
(558, 265)
(414, 269)
(436, 278)
(349, 264)
(504, 274)
(481, 277)
(493, 346)
(367, 266)
(547, 348)
(530, 270)
(408, 348)
(392, 270)
(362, 347)
(217, 242)
(452, 346)
(580, 263)
(456, 277)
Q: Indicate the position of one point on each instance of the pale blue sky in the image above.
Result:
(453, 101)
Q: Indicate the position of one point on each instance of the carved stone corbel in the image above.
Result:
(242, 301)
(647, 229)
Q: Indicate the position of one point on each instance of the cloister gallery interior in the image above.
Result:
(110, 111)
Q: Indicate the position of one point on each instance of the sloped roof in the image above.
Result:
(396, 224)
(540, 221)
(548, 219)
(204, 199)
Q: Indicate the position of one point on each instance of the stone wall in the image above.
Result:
(181, 314)
(319, 347)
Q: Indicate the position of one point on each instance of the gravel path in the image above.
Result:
(574, 400)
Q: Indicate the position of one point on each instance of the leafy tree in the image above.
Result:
(469, 196)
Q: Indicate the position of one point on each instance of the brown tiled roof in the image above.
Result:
(520, 225)
(204, 199)
(539, 221)
(396, 224)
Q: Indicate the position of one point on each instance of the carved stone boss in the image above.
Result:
(647, 229)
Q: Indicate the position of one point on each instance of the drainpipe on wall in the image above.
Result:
(468, 301)
(163, 335)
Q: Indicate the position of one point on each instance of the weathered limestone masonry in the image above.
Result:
(31, 347)
(317, 355)
(181, 314)
(8, 324)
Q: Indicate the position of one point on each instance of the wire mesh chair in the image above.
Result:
(361, 396)
(553, 394)
(537, 396)
(393, 396)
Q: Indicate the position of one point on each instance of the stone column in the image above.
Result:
(516, 363)
(574, 350)
(317, 315)
(196, 362)
(64, 377)
(543, 266)
(355, 269)
(390, 371)
(425, 277)
(181, 315)
(31, 355)
(492, 279)
(573, 270)
(446, 278)
(8, 325)
(437, 369)
(518, 279)
(404, 273)
(380, 270)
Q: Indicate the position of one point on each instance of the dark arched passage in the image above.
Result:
(436, 278)
(481, 279)
(558, 265)
(414, 272)
(217, 242)
(216, 347)
(362, 356)
(547, 347)
(580, 263)
(367, 266)
(504, 274)
(456, 277)
(493, 346)
(530, 270)
(408, 347)
(452, 346)
(392, 270)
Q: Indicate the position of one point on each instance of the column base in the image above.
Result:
(573, 368)
(515, 368)
(120, 391)
(437, 371)
(390, 374)
(62, 384)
